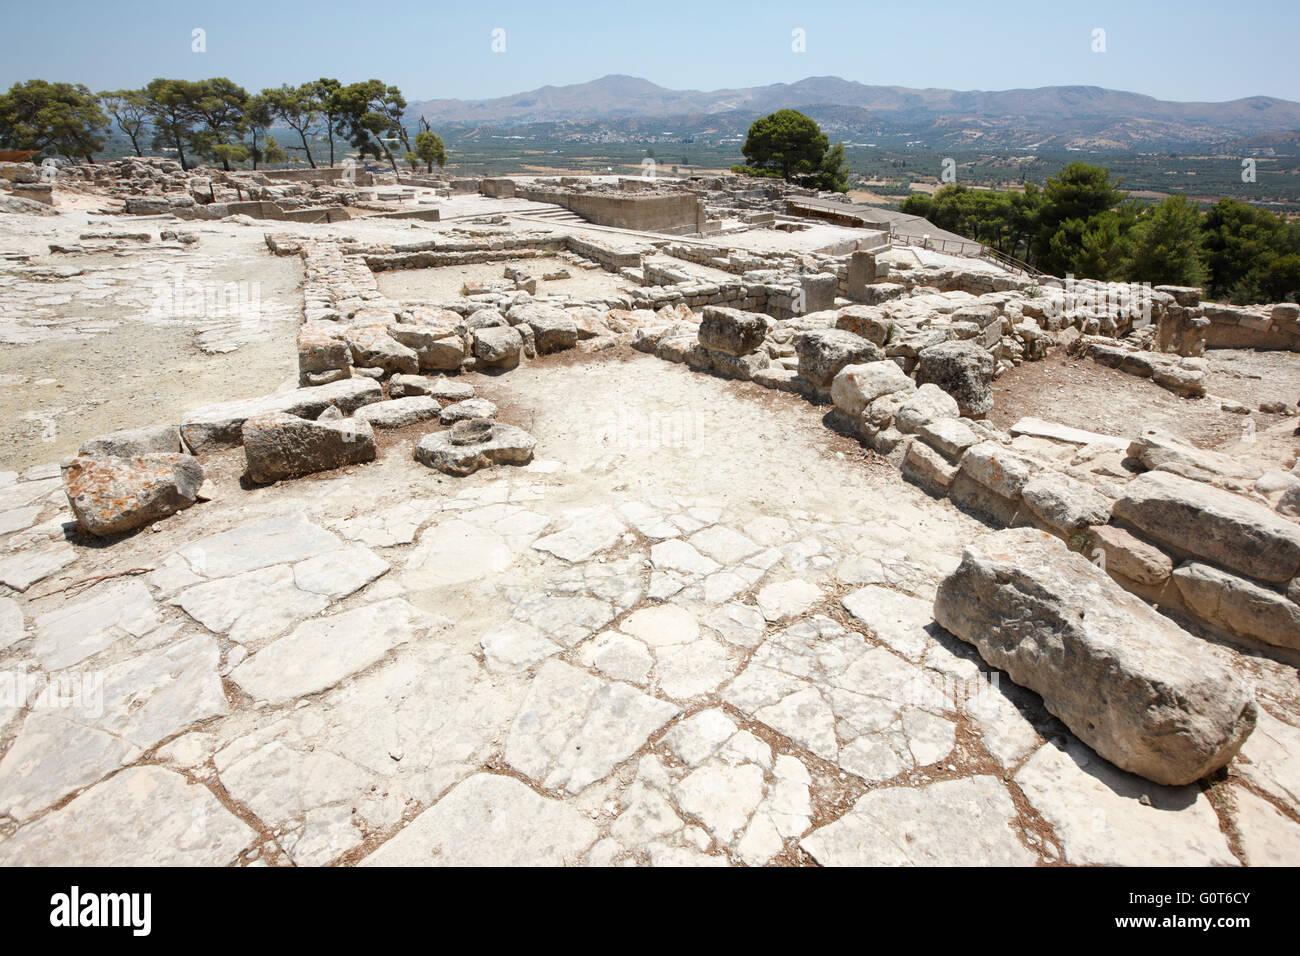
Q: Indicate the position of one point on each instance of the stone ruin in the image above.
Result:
(1115, 569)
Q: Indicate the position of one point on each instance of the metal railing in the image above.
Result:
(960, 247)
(967, 249)
(1011, 262)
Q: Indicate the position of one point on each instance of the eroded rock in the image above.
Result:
(1126, 680)
(280, 446)
(113, 495)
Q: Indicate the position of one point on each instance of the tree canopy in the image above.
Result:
(57, 118)
(792, 145)
(216, 120)
(1082, 224)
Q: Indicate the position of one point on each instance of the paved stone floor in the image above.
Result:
(696, 630)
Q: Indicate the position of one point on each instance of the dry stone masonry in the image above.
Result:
(453, 593)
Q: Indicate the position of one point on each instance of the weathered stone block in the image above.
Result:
(1202, 521)
(1126, 680)
(963, 369)
(855, 387)
(1238, 606)
(280, 446)
(110, 496)
(824, 352)
(731, 330)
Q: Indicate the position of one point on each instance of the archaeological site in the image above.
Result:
(357, 515)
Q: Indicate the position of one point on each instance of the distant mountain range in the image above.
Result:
(1047, 117)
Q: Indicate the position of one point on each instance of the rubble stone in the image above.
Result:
(1125, 679)
(280, 446)
(111, 496)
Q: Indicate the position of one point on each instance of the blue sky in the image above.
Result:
(1187, 50)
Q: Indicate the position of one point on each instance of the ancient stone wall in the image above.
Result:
(671, 213)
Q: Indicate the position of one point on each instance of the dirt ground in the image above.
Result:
(445, 282)
(1081, 393)
(106, 360)
(46, 422)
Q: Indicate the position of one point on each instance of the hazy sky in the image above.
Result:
(1187, 50)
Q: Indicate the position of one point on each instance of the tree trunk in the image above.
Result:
(180, 152)
(307, 149)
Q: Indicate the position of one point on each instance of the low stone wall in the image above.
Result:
(1252, 327)
(321, 174)
(671, 213)
(1193, 532)
(612, 257)
(1190, 326)
(497, 188)
(1206, 539)
(695, 294)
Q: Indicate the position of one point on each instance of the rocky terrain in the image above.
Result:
(448, 553)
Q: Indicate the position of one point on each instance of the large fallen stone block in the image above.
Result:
(1289, 503)
(435, 317)
(437, 348)
(1187, 380)
(985, 503)
(221, 426)
(924, 405)
(823, 352)
(443, 389)
(1160, 450)
(1054, 431)
(1130, 557)
(554, 333)
(473, 444)
(133, 442)
(469, 408)
(553, 329)
(963, 369)
(741, 367)
(857, 386)
(1202, 521)
(868, 321)
(924, 466)
(1238, 606)
(951, 436)
(498, 346)
(112, 495)
(486, 319)
(731, 330)
(1128, 682)
(280, 446)
(589, 322)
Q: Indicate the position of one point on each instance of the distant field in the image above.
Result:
(888, 171)
(895, 172)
